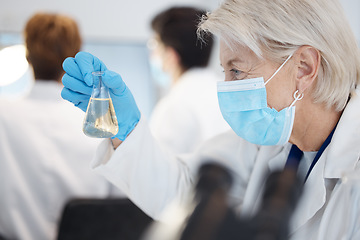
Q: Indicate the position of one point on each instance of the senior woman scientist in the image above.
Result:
(291, 71)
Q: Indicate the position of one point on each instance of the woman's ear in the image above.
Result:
(173, 56)
(172, 61)
(308, 60)
(28, 58)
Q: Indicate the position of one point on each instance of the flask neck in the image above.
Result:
(100, 90)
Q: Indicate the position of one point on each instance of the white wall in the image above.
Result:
(117, 19)
(352, 9)
(105, 19)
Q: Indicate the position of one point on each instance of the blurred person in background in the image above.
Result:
(43, 152)
(189, 113)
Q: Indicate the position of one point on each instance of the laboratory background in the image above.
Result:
(117, 31)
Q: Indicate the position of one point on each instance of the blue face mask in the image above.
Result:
(244, 106)
(161, 78)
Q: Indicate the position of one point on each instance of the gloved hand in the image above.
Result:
(78, 87)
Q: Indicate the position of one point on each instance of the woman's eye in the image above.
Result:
(234, 74)
(237, 74)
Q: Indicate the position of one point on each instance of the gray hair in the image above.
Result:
(276, 28)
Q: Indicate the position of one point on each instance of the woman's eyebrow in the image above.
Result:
(234, 61)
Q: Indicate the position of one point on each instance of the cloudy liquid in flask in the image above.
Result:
(100, 119)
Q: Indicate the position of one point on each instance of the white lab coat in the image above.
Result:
(189, 114)
(44, 159)
(153, 177)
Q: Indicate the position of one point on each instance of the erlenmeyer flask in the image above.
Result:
(100, 119)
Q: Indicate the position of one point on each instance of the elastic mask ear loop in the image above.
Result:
(279, 68)
(297, 97)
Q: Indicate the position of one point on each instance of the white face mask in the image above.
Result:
(243, 104)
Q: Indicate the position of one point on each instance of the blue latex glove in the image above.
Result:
(78, 87)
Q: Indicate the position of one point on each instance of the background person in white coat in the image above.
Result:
(189, 113)
(292, 71)
(44, 154)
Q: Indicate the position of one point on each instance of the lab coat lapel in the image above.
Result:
(268, 160)
(344, 151)
(277, 162)
(314, 189)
